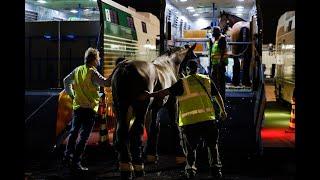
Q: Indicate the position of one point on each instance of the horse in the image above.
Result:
(240, 32)
(130, 80)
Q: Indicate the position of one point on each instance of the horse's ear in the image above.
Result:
(193, 46)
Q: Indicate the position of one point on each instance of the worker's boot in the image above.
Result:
(126, 171)
(77, 166)
(138, 170)
(216, 173)
(190, 173)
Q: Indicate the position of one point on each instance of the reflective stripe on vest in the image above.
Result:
(86, 93)
(195, 105)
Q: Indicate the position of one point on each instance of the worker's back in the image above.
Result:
(195, 104)
(86, 92)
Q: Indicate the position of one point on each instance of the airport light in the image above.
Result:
(184, 19)
(42, 1)
(240, 8)
(74, 11)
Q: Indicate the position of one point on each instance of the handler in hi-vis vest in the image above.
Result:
(82, 85)
(197, 116)
(219, 59)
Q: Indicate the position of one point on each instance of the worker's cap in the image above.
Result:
(216, 30)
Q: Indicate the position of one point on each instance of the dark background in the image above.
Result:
(271, 12)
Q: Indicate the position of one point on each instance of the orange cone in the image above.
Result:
(104, 138)
(292, 123)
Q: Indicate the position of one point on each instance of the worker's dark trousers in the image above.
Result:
(219, 78)
(154, 128)
(245, 71)
(83, 121)
(192, 135)
(236, 72)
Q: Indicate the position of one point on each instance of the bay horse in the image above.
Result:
(240, 32)
(130, 80)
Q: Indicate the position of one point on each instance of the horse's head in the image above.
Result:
(176, 57)
(224, 20)
(185, 55)
(228, 20)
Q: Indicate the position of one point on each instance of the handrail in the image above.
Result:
(207, 40)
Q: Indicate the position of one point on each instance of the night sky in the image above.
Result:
(271, 12)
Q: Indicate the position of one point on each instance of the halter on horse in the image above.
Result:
(129, 82)
(240, 32)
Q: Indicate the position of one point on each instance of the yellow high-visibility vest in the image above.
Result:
(86, 92)
(195, 105)
(216, 54)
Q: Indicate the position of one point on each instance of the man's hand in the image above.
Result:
(223, 115)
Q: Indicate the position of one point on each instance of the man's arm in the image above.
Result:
(98, 79)
(175, 90)
(215, 93)
(219, 100)
(67, 82)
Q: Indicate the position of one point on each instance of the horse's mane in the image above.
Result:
(166, 54)
(172, 50)
(229, 14)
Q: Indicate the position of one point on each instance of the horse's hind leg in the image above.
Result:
(136, 133)
(245, 33)
(122, 140)
(246, 68)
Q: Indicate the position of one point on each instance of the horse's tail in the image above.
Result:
(127, 83)
(119, 76)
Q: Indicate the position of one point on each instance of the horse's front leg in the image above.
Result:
(136, 133)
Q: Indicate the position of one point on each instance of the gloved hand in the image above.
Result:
(223, 115)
